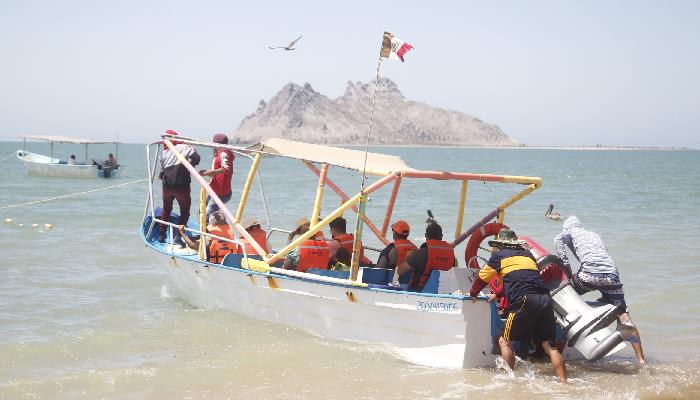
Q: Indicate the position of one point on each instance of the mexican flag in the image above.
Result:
(393, 47)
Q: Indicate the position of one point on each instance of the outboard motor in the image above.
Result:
(587, 326)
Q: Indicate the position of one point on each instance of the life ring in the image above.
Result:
(475, 241)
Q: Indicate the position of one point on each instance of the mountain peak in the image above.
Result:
(298, 112)
(359, 89)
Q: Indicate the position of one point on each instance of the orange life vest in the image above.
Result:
(260, 237)
(403, 246)
(218, 248)
(313, 253)
(346, 240)
(441, 257)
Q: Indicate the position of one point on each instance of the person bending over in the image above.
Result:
(530, 312)
(597, 271)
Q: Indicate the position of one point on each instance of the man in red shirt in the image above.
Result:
(221, 173)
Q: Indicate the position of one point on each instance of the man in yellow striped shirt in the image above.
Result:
(530, 313)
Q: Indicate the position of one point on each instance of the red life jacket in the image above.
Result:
(260, 237)
(346, 240)
(403, 246)
(441, 257)
(218, 249)
(313, 253)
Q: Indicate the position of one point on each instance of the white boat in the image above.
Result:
(42, 165)
(438, 327)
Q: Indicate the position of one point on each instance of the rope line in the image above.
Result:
(71, 195)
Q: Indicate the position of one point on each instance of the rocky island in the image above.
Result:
(300, 113)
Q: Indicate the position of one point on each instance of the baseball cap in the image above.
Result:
(401, 227)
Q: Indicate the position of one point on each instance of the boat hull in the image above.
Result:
(430, 330)
(40, 165)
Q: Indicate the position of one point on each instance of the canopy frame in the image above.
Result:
(376, 167)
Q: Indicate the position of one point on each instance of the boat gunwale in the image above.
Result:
(310, 279)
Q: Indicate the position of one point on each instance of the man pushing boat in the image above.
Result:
(530, 312)
(597, 271)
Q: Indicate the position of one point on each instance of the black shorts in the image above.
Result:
(531, 317)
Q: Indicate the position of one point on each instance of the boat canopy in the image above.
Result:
(66, 139)
(377, 164)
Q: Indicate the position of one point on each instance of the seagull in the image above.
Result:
(552, 215)
(290, 46)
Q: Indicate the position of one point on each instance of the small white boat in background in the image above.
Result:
(39, 164)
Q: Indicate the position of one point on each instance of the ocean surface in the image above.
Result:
(82, 315)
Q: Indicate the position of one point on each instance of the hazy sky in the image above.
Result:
(548, 73)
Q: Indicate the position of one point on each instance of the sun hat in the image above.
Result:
(249, 222)
(401, 227)
(301, 221)
(220, 138)
(506, 237)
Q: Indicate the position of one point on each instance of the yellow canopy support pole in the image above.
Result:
(460, 211)
(321, 224)
(246, 188)
(202, 222)
(357, 244)
(518, 196)
(319, 194)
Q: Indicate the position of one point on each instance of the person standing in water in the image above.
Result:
(597, 271)
(530, 312)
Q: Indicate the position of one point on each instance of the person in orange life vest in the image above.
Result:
(221, 173)
(311, 253)
(434, 254)
(176, 184)
(343, 239)
(252, 226)
(301, 226)
(530, 313)
(395, 253)
(217, 249)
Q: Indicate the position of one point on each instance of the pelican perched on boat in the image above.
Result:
(552, 215)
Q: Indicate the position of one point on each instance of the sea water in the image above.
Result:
(82, 314)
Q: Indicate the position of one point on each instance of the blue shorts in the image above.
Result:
(609, 286)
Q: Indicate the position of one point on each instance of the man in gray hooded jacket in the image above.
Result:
(597, 271)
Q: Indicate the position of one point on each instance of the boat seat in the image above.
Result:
(431, 285)
(330, 273)
(377, 276)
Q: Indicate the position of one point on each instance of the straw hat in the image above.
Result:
(249, 222)
(301, 221)
(506, 237)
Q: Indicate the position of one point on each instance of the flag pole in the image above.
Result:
(357, 244)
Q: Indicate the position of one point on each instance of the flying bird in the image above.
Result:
(288, 47)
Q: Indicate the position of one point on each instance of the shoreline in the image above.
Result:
(576, 148)
(579, 148)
